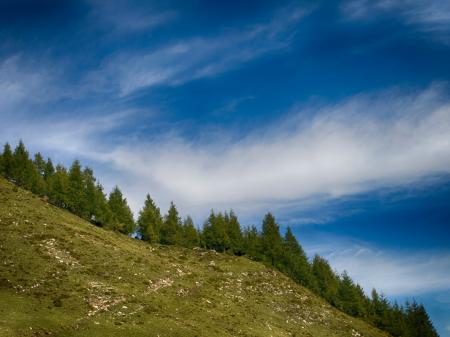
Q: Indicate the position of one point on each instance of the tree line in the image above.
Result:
(74, 189)
(77, 190)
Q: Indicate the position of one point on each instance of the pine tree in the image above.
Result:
(378, 310)
(233, 231)
(150, 221)
(121, 215)
(23, 171)
(171, 230)
(39, 163)
(49, 170)
(190, 234)
(252, 243)
(214, 233)
(295, 261)
(271, 240)
(7, 161)
(76, 193)
(20, 159)
(350, 297)
(89, 195)
(327, 281)
(394, 321)
(206, 234)
(58, 187)
(39, 185)
(102, 213)
(418, 321)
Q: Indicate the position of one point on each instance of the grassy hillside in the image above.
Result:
(61, 276)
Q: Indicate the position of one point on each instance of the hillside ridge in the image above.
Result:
(61, 276)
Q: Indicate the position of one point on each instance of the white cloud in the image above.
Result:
(30, 93)
(199, 57)
(395, 273)
(431, 16)
(363, 143)
(27, 83)
(68, 136)
(20, 83)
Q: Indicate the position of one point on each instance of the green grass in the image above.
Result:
(61, 276)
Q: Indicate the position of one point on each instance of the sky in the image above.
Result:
(333, 115)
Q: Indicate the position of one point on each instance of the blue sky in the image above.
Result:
(333, 115)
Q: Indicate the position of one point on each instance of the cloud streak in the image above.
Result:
(69, 137)
(199, 57)
(364, 143)
(26, 90)
(430, 16)
(21, 82)
(319, 152)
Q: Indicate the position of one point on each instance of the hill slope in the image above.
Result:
(62, 276)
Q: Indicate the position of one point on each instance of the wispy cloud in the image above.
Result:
(360, 144)
(21, 82)
(363, 143)
(130, 17)
(430, 16)
(396, 273)
(68, 136)
(199, 57)
(27, 83)
(29, 88)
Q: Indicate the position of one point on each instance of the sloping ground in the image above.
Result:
(61, 276)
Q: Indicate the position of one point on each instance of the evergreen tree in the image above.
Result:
(150, 221)
(171, 230)
(395, 321)
(295, 262)
(207, 235)
(39, 184)
(49, 170)
(89, 195)
(7, 162)
(190, 234)
(271, 240)
(121, 215)
(102, 214)
(252, 243)
(326, 279)
(39, 163)
(350, 297)
(58, 187)
(418, 321)
(233, 231)
(378, 310)
(76, 193)
(214, 233)
(23, 171)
